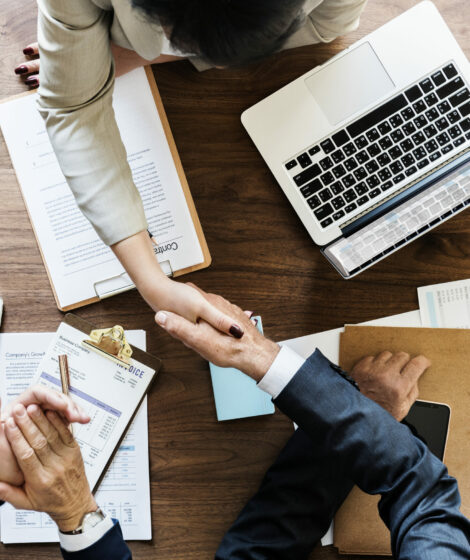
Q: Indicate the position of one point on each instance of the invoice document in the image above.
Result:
(124, 492)
(80, 265)
(445, 305)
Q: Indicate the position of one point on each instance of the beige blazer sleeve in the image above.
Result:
(75, 99)
(327, 21)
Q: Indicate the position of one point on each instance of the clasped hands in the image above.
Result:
(41, 467)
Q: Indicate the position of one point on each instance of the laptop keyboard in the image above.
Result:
(401, 225)
(370, 158)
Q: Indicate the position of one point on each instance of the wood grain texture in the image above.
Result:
(202, 472)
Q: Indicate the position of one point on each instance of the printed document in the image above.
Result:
(124, 492)
(80, 265)
(445, 305)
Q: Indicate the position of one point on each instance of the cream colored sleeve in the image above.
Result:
(333, 18)
(75, 100)
(326, 22)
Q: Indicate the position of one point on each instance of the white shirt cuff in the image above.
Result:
(286, 364)
(74, 543)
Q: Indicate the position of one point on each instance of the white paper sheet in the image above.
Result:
(124, 492)
(445, 305)
(75, 256)
(328, 343)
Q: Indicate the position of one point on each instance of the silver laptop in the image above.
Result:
(372, 149)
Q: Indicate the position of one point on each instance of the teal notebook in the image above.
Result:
(237, 395)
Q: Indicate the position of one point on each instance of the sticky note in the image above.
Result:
(237, 395)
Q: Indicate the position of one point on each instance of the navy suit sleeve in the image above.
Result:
(420, 502)
(292, 509)
(111, 546)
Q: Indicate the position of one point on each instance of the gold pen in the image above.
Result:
(65, 377)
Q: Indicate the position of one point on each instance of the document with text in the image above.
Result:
(125, 490)
(80, 266)
(445, 305)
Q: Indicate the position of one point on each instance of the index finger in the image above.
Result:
(24, 453)
(49, 399)
(414, 369)
(223, 305)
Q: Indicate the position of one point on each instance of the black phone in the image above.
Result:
(430, 422)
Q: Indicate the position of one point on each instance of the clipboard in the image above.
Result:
(115, 285)
(144, 357)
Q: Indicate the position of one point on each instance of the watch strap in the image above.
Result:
(79, 529)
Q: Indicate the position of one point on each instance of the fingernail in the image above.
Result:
(19, 410)
(21, 70)
(33, 410)
(28, 50)
(11, 424)
(31, 82)
(161, 318)
(236, 331)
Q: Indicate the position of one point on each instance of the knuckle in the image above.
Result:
(421, 361)
(39, 444)
(403, 355)
(220, 322)
(27, 455)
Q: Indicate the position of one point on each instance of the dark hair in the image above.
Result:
(226, 32)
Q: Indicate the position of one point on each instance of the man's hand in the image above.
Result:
(51, 461)
(253, 354)
(48, 400)
(391, 380)
(9, 469)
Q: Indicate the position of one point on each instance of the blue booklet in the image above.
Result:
(237, 395)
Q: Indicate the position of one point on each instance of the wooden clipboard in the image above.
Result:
(184, 184)
(143, 357)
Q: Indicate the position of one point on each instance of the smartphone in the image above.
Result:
(429, 421)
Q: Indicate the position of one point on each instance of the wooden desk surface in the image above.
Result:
(202, 472)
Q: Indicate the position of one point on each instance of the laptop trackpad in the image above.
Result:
(350, 84)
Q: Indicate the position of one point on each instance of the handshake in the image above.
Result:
(41, 467)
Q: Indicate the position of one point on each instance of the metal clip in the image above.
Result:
(112, 344)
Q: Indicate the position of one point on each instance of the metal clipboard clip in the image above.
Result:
(110, 343)
(122, 282)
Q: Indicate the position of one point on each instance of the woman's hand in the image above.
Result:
(29, 69)
(253, 355)
(187, 301)
(137, 256)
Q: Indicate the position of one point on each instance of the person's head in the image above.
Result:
(225, 32)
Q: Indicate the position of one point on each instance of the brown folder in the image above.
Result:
(358, 527)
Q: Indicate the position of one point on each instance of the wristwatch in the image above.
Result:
(89, 520)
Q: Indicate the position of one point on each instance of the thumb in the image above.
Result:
(14, 495)
(177, 326)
